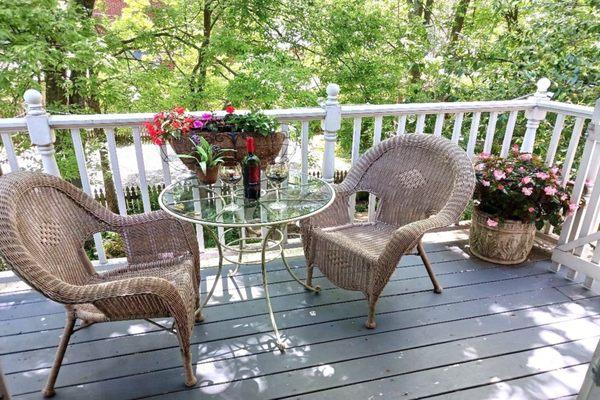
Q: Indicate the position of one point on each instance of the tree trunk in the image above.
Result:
(458, 23)
(200, 70)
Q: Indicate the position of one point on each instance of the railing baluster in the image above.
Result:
(572, 149)
(508, 133)
(85, 185)
(11, 155)
(439, 124)
(304, 147)
(473, 134)
(401, 125)
(420, 123)
(116, 170)
(376, 139)
(163, 153)
(139, 156)
(356, 130)
(457, 129)
(489, 134)
(556, 133)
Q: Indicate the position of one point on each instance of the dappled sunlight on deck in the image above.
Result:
(495, 333)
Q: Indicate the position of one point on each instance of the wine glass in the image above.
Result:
(277, 172)
(231, 174)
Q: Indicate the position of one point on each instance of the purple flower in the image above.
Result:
(198, 124)
(206, 117)
(195, 138)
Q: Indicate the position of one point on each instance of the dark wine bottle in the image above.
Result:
(251, 172)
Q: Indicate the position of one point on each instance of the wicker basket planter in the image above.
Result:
(267, 147)
(508, 243)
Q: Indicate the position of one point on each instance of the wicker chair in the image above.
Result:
(422, 182)
(44, 222)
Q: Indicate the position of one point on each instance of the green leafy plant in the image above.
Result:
(252, 122)
(205, 154)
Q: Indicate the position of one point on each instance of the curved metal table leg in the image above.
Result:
(278, 342)
(219, 271)
(315, 289)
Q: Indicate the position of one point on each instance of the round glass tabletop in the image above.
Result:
(300, 196)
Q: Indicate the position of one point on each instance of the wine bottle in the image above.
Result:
(251, 172)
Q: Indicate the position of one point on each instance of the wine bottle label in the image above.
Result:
(254, 174)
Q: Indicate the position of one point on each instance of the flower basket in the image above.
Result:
(267, 147)
(507, 243)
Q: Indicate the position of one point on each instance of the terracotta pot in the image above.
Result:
(267, 147)
(508, 243)
(211, 176)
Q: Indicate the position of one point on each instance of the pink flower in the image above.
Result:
(573, 207)
(525, 180)
(491, 222)
(527, 191)
(541, 175)
(198, 124)
(509, 170)
(525, 157)
(499, 174)
(484, 155)
(554, 170)
(480, 167)
(522, 169)
(515, 148)
(564, 197)
(550, 190)
(485, 183)
(531, 209)
(588, 183)
(500, 187)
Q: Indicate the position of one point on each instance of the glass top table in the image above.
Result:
(207, 205)
(189, 200)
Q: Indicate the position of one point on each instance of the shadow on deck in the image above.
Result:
(494, 333)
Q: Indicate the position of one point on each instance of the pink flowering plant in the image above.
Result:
(520, 188)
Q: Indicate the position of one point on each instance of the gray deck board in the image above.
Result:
(494, 330)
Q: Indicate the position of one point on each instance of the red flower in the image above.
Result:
(176, 125)
(150, 128)
(179, 110)
(229, 109)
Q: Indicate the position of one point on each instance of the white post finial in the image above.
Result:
(331, 126)
(535, 115)
(39, 131)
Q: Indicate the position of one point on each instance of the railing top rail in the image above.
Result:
(575, 110)
(9, 125)
(136, 119)
(362, 110)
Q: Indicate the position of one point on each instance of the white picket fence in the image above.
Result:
(474, 125)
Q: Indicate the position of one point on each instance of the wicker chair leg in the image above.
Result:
(184, 343)
(370, 323)
(309, 274)
(436, 286)
(60, 353)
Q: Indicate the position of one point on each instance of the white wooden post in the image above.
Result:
(590, 390)
(535, 115)
(331, 126)
(39, 131)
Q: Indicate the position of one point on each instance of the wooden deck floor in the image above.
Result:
(495, 333)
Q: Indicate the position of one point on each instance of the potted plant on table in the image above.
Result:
(207, 157)
(514, 196)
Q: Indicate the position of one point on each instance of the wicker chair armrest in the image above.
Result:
(406, 237)
(334, 215)
(81, 294)
(156, 235)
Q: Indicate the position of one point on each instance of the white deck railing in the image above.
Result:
(473, 125)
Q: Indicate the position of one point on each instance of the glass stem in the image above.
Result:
(232, 194)
(277, 194)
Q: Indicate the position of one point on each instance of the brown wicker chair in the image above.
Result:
(422, 182)
(44, 222)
